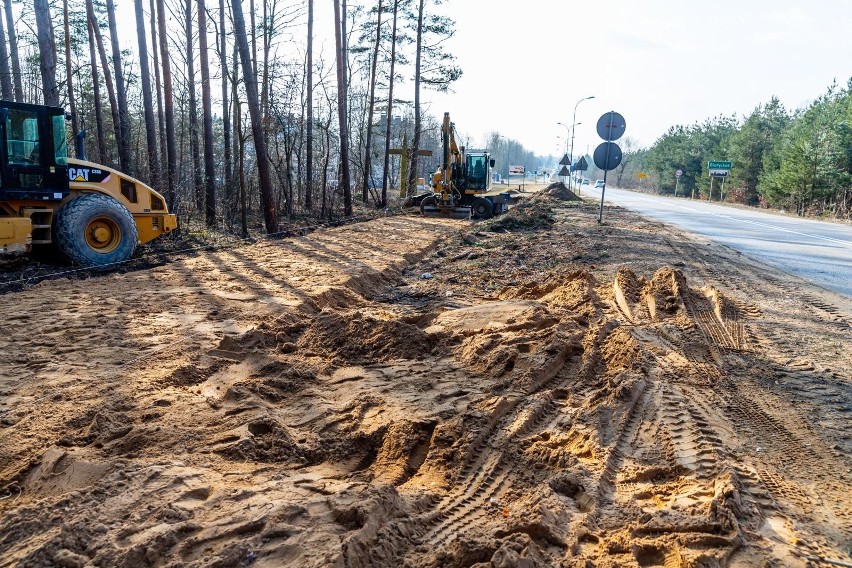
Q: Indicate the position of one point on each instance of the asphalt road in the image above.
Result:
(817, 251)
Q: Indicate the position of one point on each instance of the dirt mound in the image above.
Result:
(359, 337)
(525, 216)
(558, 191)
(262, 440)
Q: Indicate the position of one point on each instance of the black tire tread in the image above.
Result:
(486, 204)
(71, 220)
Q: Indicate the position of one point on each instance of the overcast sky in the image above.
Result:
(657, 62)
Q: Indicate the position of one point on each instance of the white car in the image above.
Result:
(599, 184)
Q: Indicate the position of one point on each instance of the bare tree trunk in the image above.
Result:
(198, 187)
(242, 154)
(158, 89)
(325, 162)
(226, 121)
(386, 168)
(168, 103)
(72, 104)
(5, 68)
(253, 36)
(13, 51)
(207, 112)
(268, 203)
(96, 91)
(341, 110)
(47, 52)
(372, 104)
(123, 113)
(147, 100)
(415, 144)
(93, 23)
(309, 174)
(234, 78)
(264, 87)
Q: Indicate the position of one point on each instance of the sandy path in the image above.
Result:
(552, 394)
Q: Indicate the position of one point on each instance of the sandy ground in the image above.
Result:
(535, 390)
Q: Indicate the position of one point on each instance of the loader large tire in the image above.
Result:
(483, 208)
(94, 230)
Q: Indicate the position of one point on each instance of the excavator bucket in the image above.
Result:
(450, 211)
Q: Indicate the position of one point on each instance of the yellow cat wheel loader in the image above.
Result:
(93, 215)
(461, 187)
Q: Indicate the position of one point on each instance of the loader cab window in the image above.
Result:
(22, 140)
(60, 145)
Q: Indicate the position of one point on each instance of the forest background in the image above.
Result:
(229, 110)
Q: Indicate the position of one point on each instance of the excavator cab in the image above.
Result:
(33, 153)
(478, 171)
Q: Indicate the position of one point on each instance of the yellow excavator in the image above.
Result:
(461, 187)
(93, 215)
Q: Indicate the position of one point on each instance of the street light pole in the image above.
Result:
(507, 159)
(567, 131)
(574, 122)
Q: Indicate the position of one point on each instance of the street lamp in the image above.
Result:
(567, 132)
(574, 121)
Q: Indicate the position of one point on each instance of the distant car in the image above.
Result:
(585, 181)
(599, 184)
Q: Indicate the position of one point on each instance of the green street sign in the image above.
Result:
(719, 165)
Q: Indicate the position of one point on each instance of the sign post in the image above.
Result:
(565, 161)
(678, 173)
(519, 170)
(719, 169)
(611, 126)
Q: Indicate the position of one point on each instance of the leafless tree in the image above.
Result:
(121, 94)
(226, 121)
(192, 110)
(389, 110)
(147, 99)
(309, 71)
(250, 79)
(168, 103)
(341, 109)
(371, 102)
(13, 51)
(96, 88)
(69, 75)
(207, 113)
(47, 52)
(5, 67)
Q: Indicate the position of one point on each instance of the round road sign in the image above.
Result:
(607, 156)
(611, 126)
(679, 173)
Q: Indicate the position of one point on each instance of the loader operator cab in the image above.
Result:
(33, 153)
